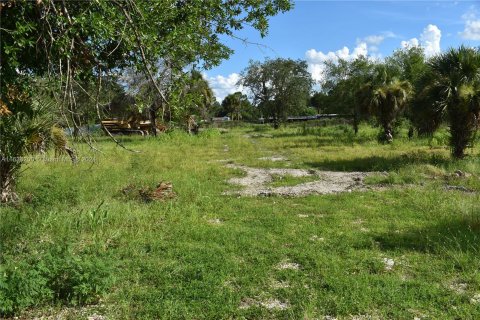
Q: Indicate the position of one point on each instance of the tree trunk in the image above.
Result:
(355, 122)
(76, 121)
(7, 181)
(388, 134)
(276, 122)
(461, 132)
(153, 119)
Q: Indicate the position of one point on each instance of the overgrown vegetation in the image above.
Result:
(74, 239)
(157, 233)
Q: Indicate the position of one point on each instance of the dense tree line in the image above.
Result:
(427, 92)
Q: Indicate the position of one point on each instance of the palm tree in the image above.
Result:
(235, 104)
(25, 126)
(385, 96)
(205, 95)
(457, 89)
(425, 113)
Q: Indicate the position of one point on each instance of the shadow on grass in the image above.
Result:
(459, 234)
(381, 163)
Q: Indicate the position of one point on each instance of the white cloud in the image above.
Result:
(410, 43)
(316, 59)
(223, 86)
(472, 26)
(374, 39)
(430, 40)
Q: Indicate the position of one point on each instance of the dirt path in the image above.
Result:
(256, 180)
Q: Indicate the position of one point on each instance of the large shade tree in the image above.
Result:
(342, 80)
(69, 41)
(279, 87)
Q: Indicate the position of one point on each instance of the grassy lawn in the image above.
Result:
(409, 248)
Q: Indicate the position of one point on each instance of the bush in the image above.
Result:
(58, 276)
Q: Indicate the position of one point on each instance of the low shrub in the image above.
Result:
(58, 275)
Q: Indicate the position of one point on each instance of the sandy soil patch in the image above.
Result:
(287, 265)
(273, 158)
(270, 304)
(215, 221)
(280, 284)
(458, 287)
(389, 264)
(274, 304)
(256, 180)
(475, 299)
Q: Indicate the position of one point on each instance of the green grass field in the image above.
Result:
(77, 246)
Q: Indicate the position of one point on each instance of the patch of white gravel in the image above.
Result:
(273, 158)
(475, 299)
(389, 264)
(256, 179)
(274, 304)
(270, 304)
(215, 221)
(287, 265)
(247, 303)
(316, 238)
(458, 287)
(280, 284)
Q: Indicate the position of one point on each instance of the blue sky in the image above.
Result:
(324, 30)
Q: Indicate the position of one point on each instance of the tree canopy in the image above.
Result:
(278, 87)
(455, 91)
(62, 44)
(236, 105)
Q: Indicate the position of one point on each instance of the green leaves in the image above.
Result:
(279, 87)
(455, 90)
(385, 96)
